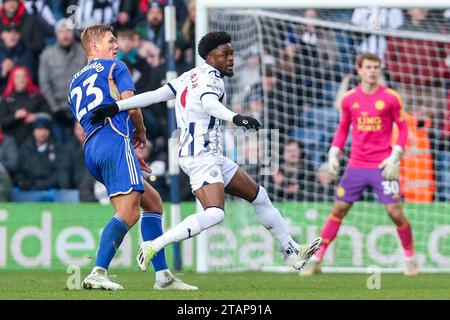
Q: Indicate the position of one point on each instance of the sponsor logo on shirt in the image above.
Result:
(367, 123)
(379, 104)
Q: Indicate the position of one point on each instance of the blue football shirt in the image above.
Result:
(100, 82)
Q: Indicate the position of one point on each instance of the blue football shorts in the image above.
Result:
(111, 160)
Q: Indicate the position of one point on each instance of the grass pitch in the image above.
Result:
(231, 286)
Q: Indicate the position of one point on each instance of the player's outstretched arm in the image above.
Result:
(214, 107)
(138, 101)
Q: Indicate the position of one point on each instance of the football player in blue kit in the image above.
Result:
(110, 157)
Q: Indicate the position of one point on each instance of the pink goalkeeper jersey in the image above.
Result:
(372, 117)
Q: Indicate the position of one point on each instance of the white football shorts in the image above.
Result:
(206, 168)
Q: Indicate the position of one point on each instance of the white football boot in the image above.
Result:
(311, 268)
(306, 252)
(172, 283)
(145, 254)
(411, 267)
(98, 279)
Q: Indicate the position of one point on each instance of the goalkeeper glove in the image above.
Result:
(103, 112)
(391, 165)
(247, 122)
(333, 162)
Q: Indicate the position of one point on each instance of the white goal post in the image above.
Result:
(239, 7)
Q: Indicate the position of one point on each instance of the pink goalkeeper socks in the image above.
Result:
(406, 238)
(329, 232)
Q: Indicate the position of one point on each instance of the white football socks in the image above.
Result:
(190, 226)
(271, 219)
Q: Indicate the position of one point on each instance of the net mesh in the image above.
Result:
(291, 70)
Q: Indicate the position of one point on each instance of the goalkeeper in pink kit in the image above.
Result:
(371, 110)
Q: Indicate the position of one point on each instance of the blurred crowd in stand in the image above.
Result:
(292, 82)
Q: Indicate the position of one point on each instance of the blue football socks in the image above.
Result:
(110, 241)
(151, 228)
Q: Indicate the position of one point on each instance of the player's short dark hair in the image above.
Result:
(212, 40)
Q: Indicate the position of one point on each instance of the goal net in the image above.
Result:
(291, 70)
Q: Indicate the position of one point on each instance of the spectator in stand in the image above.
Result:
(323, 185)
(248, 63)
(445, 126)
(33, 28)
(372, 19)
(152, 29)
(12, 12)
(42, 9)
(74, 167)
(126, 46)
(154, 118)
(149, 51)
(62, 8)
(180, 9)
(21, 103)
(446, 15)
(13, 53)
(293, 179)
(186, 47)
(128, 14)
(97, 11)
(249, 154)
(140, 70)
(416, 20)
(38, 28)
(443, 156)
(57, 65)
(153, 55)
(142, 80)
(8, 154)
(276, 102)
(417, 62)
(40, 159)
(255, 101)
(142, 74)
(302, 60)
(5, 184)
(344, 41)
(417, 179)
(320, 38)
(327, 54)
(8, 164)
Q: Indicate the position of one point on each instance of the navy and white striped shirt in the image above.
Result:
(199, 130)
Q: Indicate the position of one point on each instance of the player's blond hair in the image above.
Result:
(366, 56)
(94, 33)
